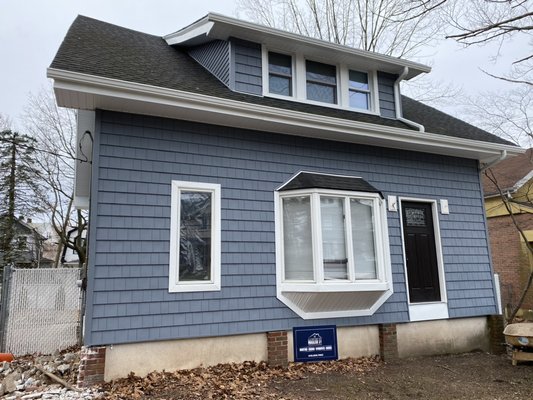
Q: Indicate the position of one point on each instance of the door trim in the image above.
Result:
(429, 310)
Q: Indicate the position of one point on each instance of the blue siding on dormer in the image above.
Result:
(245, 66)
(214, 56)
(387, 105)
(138, 156)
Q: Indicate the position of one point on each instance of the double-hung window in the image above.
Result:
(279, 74)
(321, 82)
(194, 237)
(359, 90)
(333, 255)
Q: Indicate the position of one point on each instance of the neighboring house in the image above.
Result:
(246, 180)
(29, 243)
(511, 259)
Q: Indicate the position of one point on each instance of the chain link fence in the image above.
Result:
(40, 309)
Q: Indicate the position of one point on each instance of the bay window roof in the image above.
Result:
(308, 180)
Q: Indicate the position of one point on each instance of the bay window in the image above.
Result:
(332, 245)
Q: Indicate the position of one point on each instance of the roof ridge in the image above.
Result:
(99, 21)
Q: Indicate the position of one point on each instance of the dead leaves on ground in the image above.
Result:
(244, 381)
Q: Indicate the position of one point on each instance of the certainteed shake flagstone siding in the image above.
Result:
(137, 157)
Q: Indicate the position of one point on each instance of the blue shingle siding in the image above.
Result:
(128, 298)
(387, 105)
(214, 56)
(245, 67)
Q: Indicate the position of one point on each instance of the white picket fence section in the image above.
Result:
(43, 310)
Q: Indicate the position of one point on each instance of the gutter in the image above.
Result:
(503, 156)
(398, 102)
(124, 96)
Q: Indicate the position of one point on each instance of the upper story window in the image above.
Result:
(194, 237)
(280, 74)
(321, 82)
(292, 76)
(359, 90)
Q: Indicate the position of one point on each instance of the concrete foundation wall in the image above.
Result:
(442, 337)
(414, 339)
(355, 341)
(171, 355)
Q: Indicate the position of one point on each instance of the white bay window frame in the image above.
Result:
(319, 284)
(213, 284)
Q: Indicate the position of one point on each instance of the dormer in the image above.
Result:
(268, 62)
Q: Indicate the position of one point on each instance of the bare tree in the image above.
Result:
(507, 114)
(54, 129)
(478, 22)
(397, 28)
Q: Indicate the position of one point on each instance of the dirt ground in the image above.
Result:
(465, 376)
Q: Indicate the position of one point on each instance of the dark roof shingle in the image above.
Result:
(98, 48)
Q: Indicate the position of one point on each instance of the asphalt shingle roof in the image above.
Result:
(508, 173)
(98, 48)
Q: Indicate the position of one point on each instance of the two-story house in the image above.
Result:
(246, 181)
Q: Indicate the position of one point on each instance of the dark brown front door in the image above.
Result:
(420, 252)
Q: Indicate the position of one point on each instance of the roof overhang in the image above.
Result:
(215, 26)
(89, 92)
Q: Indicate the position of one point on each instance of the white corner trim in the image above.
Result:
(174, 285)
(79, 88)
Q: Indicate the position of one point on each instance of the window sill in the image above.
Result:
(320, 104)
(335, 286)
(193, 287)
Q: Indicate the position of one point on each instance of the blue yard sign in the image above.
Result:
(315, 343)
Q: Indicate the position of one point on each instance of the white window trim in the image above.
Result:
(299, 79)
(194, 286)
(430, 310)
(383, 270)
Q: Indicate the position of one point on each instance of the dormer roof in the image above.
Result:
(104, 66)
(220, 27)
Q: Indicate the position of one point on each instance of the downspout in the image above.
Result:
(501, 157)
(398, 102)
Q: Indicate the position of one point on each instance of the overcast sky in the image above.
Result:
(32, 30)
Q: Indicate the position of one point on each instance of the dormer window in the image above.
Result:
(359, 90)
(279, 74)
(338, 85)
(321, 82)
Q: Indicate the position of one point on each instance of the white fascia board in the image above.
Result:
(82, 91)
(218, 26)
(193, 34)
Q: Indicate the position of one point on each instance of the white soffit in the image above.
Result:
(216, 26)
(87, 92)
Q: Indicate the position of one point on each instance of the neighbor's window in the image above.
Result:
(332, 236)
(321, 82)
(280, 74)
(194, 237)
(359, 90)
